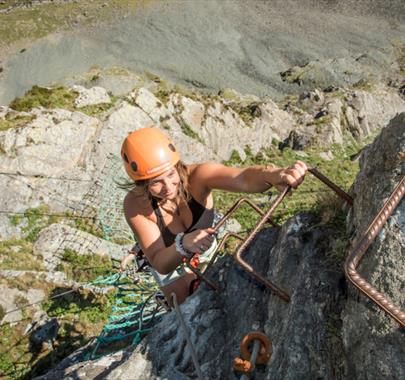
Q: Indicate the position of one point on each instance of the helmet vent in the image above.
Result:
(126, 158)
(172, 148)
(134, 166)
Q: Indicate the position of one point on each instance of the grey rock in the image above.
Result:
(55, 239)
(327, 156)
(373, 340)
(298, 140)
(90, 96)
(8, 301)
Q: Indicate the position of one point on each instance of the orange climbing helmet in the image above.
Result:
(148, 153)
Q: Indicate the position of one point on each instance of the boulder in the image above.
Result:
(55, 239)
(90, 96)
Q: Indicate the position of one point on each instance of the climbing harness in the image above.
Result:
(260, 354)
(356, 255)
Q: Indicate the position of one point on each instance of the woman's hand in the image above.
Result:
(291, 176)
(127, 260)
(199, 240)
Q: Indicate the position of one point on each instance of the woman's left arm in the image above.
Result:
(254, 179)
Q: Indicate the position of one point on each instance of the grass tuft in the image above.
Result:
(57, 97)
(83, 268)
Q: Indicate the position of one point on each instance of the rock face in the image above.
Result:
(326, 118)
(373, 341)
(9, 296)
(217, 323)
(323, 332)
(56, 156)
(91, 96)
(44, 162)
(62, 158)
(53, 240)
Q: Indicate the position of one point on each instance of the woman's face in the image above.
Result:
(165, 186)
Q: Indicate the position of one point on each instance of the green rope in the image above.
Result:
(131, 313)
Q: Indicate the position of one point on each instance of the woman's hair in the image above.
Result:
(140, 188)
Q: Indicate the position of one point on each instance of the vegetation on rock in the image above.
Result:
(83, 268)
(58, 97)
(15, 121)
(17, 254)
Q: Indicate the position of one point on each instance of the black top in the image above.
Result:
(169, 237)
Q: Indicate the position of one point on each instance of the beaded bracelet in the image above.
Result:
(180, 247)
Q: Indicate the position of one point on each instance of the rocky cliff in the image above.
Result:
(62, 211)
(327, 330)
(322, 82)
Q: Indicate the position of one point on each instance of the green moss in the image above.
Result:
(15, 220)
(88, 225)
(15, 121)
(364, 85)
(33, 220)
(85, 306)
(55, 97)
(83, 268)
(37, 219)
(2, 312)
(96, 109)
(322, 120)
(187, 130)
(162, 94)
(14, 351)
(247, 112)
(81, 316)
(17, 254)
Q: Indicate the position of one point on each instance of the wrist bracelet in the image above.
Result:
(180, 247)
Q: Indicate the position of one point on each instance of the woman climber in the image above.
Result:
(169, 206)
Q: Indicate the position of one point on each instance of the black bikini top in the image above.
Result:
(169, 237)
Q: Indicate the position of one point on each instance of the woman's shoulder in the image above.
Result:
(200, 168)
(202, 171)
(135, 204)
(198, 174)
